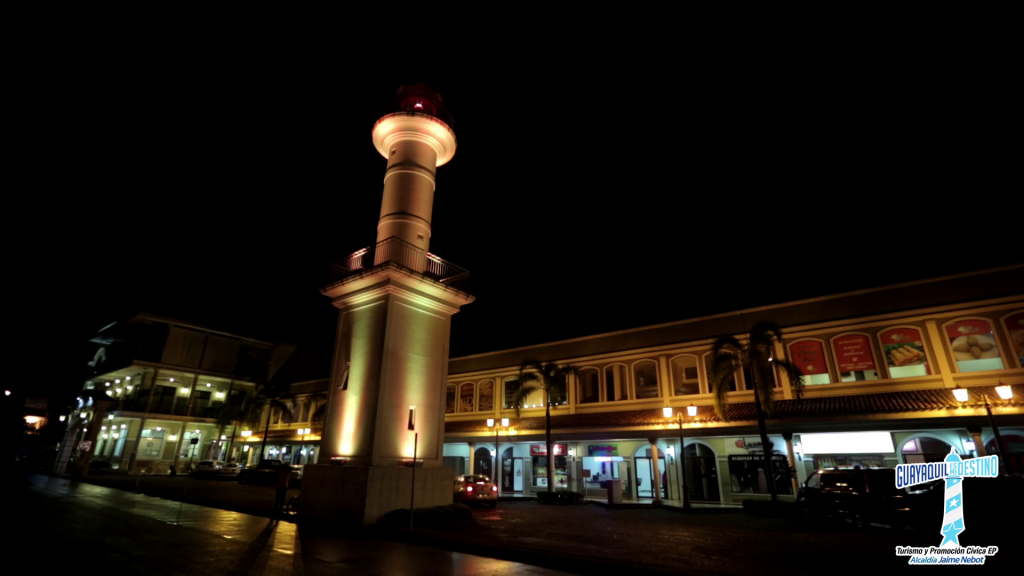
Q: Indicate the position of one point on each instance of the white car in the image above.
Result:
(230, 470)
(207, 468)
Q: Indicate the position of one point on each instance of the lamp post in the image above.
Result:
(1005, 392)
(415, 443)
(492, 423)
(691, 411)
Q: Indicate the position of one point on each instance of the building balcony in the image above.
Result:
(397, 252)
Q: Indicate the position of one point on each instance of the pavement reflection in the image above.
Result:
(172, 537)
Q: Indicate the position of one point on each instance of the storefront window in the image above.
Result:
(645, 379)
(730, 384)
(904, 352)
(539, 453)
(151, 446)
(854, 360)
(822, 461)
(974, 345)
(466, 392)
(809, 357)
(486, 402)
(615, 383)
(684, 375)
(1014, 324)
(590, 386)
(449, 402)
(748, 476)
(599, 469)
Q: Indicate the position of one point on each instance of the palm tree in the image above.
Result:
(550, 379)
(271, 395)
(316, 419)
(232, 413)
(756, 358)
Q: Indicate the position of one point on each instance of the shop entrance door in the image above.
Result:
(645, 478)
(702, 474)
(511, 472)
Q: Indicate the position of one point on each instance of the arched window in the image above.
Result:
(904, 351)
(854, 358)
(590, 386)
(708, 362)
(467, 395)
(1014, 324)
(924, 449)
(485, 402)
(973, 343)
(615, 383)
(449, 401)
(645, 379)
(685, 379)
(808, 355)
(306, 405)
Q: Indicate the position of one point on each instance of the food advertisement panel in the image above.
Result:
(972, 340)
(1015, 330)
(904, 347)
(853, 353)
(542, 450)
(486, 396)
(809, 357)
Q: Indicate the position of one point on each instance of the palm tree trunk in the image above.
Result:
(551, 449)
(266, 432)
(765, 446)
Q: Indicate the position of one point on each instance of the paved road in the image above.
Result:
(71, 527)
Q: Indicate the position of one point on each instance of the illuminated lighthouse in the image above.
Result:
(953, 509)
(395, 302)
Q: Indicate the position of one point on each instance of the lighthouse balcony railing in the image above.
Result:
(396, 251)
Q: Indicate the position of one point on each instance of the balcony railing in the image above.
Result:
(397, 251)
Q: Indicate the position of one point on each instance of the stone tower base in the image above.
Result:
(357, 495)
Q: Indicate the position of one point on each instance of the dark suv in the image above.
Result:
(868, 495)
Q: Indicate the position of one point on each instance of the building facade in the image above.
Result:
(163, 391)
(880, 368)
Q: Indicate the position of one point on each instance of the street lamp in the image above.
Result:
(1006, 393)
(492, 423)
(691, 411)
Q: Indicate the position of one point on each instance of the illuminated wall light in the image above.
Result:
(127, 378)
(117, 381)
(207, 384)
(110, 417)
(117, 390)
(172, 379)
(960, 394)
(970, 445)
(220, 394)
(245, 448)
(123, 426)
(197, 431)
(1005, 392)
(184, 390)
(7, 392)
(104, 436)
(691, 410)
(159, 428)
(129, 387)
(103, 427)
(172, 438)
(62, 418)
(116, 435)
(223, 437)
(107, 384)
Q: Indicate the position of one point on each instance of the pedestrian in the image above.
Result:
(174, 471)
(284, 472)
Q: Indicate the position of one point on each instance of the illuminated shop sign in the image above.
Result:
(848, 443)
(542, 450)
(603, 449)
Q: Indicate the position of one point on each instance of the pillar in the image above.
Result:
(656, 483)
(472, 457)
(788, 436)
(979, 444)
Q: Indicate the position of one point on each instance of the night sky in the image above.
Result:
(582, 198)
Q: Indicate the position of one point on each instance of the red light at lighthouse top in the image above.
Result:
(419, 98)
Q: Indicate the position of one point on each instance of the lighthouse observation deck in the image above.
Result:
(396, 252)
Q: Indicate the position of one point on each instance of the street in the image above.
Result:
(65, 525)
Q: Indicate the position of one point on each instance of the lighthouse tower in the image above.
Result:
(953, 507)
(395, 302)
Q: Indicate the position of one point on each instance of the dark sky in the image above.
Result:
(584, 196)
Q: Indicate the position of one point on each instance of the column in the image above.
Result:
(978, 443)
(472, 457)
(788, 436)
(656, 482)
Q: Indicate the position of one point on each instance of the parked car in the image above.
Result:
(263, 474)
(869, 495)
(230, 470)
(476, 488)
(207, 468)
